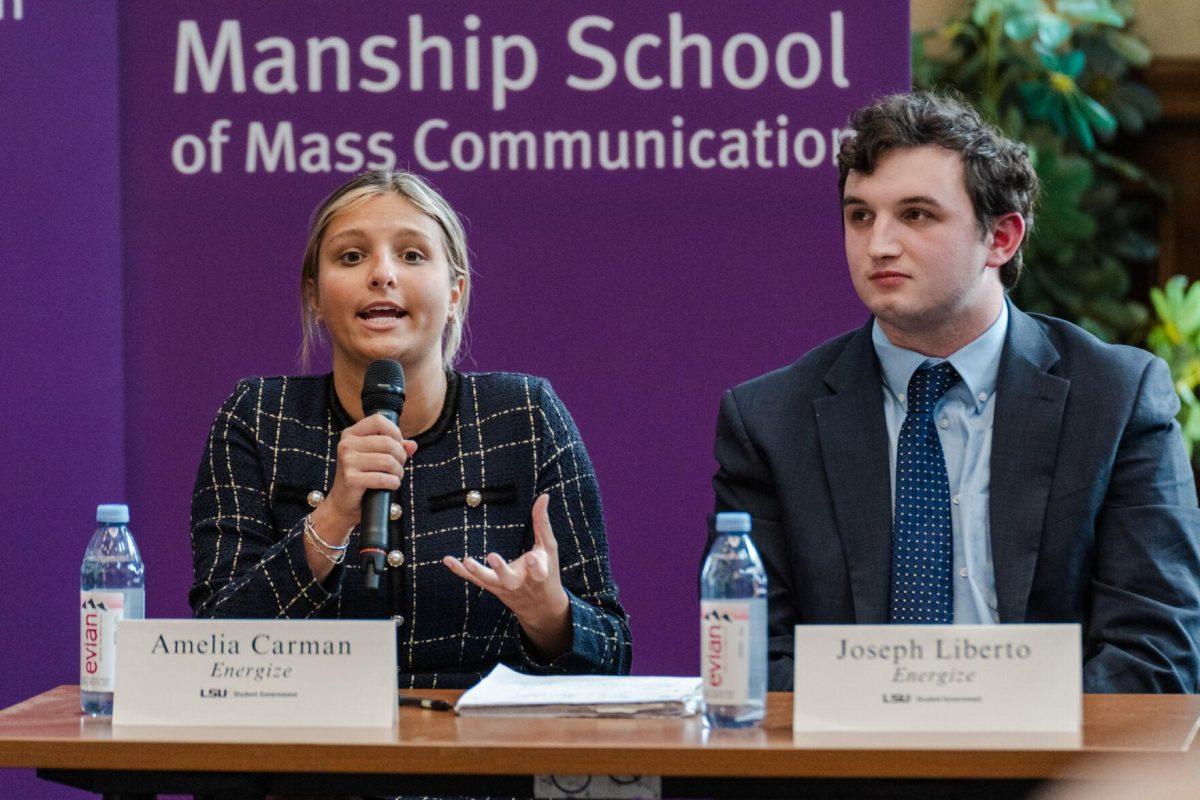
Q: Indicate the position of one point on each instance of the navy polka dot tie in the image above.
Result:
(922, 591)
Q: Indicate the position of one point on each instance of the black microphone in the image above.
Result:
(382, 393)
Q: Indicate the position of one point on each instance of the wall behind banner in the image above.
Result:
(63, 397)
(651, 204)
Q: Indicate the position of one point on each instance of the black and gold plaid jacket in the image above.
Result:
(505, 436)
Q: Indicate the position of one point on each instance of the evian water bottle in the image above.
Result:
(112, 586)
(733, 626)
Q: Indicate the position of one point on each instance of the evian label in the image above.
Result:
(725, 627)
(98, 615)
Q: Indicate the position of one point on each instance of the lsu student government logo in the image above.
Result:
(214, 692)
(12, 9)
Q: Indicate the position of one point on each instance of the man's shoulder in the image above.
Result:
(804, 376)
(1084, 356)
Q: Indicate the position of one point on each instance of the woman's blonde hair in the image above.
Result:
(420, 193)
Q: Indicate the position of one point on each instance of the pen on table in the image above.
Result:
(427, 703)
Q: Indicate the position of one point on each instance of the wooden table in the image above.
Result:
(438, 752)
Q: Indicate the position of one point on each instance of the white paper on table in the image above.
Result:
(510, 693)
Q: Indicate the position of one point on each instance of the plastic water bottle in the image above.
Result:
(112, 586)
(733, 626)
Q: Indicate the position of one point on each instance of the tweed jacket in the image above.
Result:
(504, 436)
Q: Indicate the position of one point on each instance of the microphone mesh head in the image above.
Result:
(383, 386)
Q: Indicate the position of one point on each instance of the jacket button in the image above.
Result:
(395, 558)
(315, 497)
(395, 511)
(474, 498)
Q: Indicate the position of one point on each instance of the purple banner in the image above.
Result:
(652, 212)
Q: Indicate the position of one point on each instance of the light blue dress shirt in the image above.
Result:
(964, 422)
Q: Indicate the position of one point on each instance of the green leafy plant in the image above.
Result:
(1175, 337)
(1056, 75)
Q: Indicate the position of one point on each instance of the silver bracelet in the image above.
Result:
(334, 559)
(311, 530)
(322, 546)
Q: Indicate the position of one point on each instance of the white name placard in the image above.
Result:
(938, 678)
(292, 673)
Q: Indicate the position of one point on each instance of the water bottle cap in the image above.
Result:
(117, 513)
(733, 522)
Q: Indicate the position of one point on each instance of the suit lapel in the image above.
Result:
(1029, 409)
(854, 447)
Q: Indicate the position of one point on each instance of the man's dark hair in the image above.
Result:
(999, 177)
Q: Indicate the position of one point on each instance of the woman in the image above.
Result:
(497, 550)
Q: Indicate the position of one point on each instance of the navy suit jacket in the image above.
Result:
(1092, 500)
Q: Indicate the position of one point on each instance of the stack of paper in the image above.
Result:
(507, 693)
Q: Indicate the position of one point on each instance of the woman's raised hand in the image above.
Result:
(529, 585)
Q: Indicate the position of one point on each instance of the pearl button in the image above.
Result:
(983, 396)
(901, 398)
(398, 619)
(394, 512)
(954, 500)
(474, 498)
(315, 497)
(963, 572)
(395, 558)
(945, 423)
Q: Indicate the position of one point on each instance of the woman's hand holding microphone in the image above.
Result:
(370, 455)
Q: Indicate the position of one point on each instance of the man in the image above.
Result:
(955, 459)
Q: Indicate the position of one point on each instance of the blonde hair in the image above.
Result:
(420, 193)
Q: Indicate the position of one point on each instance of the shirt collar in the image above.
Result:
(978, 362)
